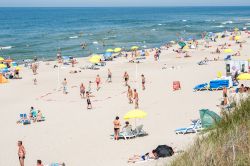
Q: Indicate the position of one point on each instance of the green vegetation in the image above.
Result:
(227, 144)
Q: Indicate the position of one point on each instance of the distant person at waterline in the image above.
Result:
(136, 99)
(98, 81)
(143, 79)
(109, 76)
(126, 78)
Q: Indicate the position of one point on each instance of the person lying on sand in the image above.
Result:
(145, 157)
(39, 116)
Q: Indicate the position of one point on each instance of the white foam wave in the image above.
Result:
(5, 48)
(159, 24)
(95, 42)
(219, 26)
(247, 23)
(187, 25)
(73, 37)
(227, 22)
(184, 20)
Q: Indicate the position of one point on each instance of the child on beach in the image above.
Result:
(130, 95)
(64, 83)
(109, 76)
(82, 90)
(136, 99)
(21, 153)
(143, 81)
(98, 81)
(89, 105)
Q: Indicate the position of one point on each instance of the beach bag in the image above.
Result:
(164, 151)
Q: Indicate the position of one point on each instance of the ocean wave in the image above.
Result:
(153, 29)
(247, 23)
(184, 20)
(73, 37)
(219, 26)
(227, 22)
(159, 24)
(187, 26)
(5, 48)
(95, 42)
(210, 20)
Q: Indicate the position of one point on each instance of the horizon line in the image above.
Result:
(123, 6)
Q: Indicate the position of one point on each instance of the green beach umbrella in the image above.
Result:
(182, 44)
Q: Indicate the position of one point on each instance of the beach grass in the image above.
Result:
(228, 143)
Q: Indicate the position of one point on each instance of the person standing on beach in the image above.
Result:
(126, 78)
(21, 153)
(98, 81)
(64, 83)
(39, 163)
(109, 76)
(143, 79)
(117, 126)
(136, 99)
(224, 96)
(130, 95)
(82, 90)
(89, 105)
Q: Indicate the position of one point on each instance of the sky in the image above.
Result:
(120, 3)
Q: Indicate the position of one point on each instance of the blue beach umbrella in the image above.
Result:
(5, 70)
(107, 55)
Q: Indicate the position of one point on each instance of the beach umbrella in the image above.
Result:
(236, 29)
(2, 66)
(116, 50)
(95, 59)
(182, 44)
(229, 50)
(135, 114)
(109, 50)
(14, 64)
(237, 38)
(17, 68)
(107, 55)
(8, 60)
(5, 70)
(134, 48)
(1, 59)
(244, 76)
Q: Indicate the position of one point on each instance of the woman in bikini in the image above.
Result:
(143, 81)
(89, 105)
(98, 81)
(82, 90)
(21, 153)
(136, 99)
(117, 126)
(130, 95)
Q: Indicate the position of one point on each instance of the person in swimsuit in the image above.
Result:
(64, 83)
(225, 95)
(137, 158)
(39, 163)
(126, 78)
(82, 90)
(143, 79)
(130, 95)
(117, 126)
(109, 76)
(98, 81)
(136, 99)
(21, 153)
(89, 105)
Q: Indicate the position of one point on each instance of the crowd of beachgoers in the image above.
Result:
(136, 85)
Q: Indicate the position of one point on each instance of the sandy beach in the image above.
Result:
(77, 136)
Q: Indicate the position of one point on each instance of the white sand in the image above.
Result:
(79, 137)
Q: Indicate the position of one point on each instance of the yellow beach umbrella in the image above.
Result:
(134, 48)
(1, 59)
(229, 50)
(135, 114)
(2, 66)
(109, 50)
(18, 68)
(95, 59)
(116, 50)
(237, 38)
(244, 76)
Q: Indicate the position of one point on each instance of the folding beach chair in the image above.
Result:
(194, 128)
(23, 119)
(201, 87)
(138, 131)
